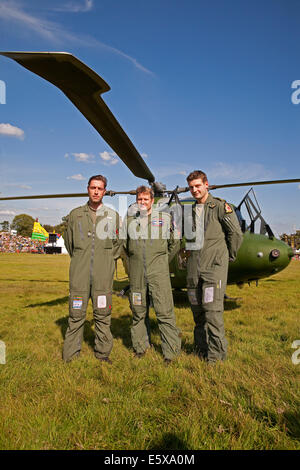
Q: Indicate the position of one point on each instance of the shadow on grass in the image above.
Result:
(118, 285)
(186, 347)
(170, 441)
(88, 333)
(120, 328)
(231, 305)
(287, 422)
(50, 303)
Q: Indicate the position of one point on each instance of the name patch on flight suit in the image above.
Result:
(77, 303)
(136, 298)
(208, 295)
(101, 301)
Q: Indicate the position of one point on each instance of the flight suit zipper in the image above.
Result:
(144, 262)
(92, 254)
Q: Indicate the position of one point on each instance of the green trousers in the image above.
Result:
(78, 302)
(207, 305)
(159, 289)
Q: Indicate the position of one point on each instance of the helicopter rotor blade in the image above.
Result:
(167, 191)
(52, 196)
(253, 183)
(83, 87)
(233, 185)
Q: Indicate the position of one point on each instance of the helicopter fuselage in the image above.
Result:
(258, 257)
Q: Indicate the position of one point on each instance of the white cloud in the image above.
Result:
(109, 158)
(76, 7)
(55, 32)
(18, 185)
(240, 171)
(7, 213)
(78, 177)
(144, 155)
(42, 208)
(9, 11)
(165, 171)
(11, 131)
(81, 157)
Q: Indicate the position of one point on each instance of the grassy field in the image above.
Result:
(251, 401)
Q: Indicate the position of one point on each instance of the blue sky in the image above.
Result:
(195, 85)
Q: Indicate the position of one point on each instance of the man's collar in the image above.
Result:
(209, 200)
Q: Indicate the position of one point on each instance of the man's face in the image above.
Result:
(198, 189)
(145, 202)
(96, 191)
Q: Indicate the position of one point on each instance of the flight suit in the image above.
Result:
(92, 245)
(150, 245)
(207, 270)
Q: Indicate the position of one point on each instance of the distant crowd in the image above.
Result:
(17, 244)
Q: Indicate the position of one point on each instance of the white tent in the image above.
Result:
(60, 242)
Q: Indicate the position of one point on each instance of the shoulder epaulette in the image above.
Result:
(219, 199)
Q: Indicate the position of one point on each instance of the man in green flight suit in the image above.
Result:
(150, 244)
(92, 241)
(214, 239)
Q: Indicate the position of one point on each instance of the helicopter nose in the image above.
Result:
(274, 254)
(280, 257)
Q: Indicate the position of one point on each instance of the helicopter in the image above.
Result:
(260, 255)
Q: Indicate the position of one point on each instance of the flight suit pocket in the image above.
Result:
(212, 292)
(77, 305)
(79, 237)
(108, 244)
(137, 298)
(102, 303)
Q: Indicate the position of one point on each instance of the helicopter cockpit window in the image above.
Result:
(254, 218)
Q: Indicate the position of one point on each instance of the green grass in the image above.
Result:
(251, 401)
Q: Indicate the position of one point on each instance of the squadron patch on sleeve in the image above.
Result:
(228, 209)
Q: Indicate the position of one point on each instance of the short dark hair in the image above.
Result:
(144, 189)
(197, 174)
(98, 178)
